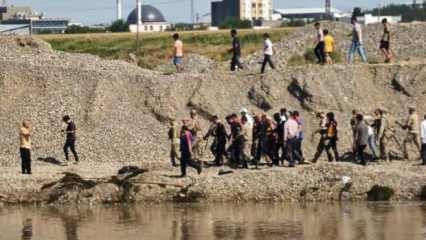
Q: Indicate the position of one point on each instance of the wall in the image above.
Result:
(150, 27)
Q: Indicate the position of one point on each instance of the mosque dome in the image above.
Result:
(149, 14)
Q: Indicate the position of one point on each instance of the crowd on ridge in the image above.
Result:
(246, 139)
(324, 47)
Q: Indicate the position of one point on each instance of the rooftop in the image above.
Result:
(288, 11)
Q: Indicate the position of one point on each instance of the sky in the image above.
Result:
(103, 11)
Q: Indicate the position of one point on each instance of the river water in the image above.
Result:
(345, 221)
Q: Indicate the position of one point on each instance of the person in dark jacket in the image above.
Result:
(361, 138)
(279, 121)
(218, 132)
(186, 151)
(236, 51)
(70, 138)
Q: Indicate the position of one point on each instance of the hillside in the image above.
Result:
(121, 110)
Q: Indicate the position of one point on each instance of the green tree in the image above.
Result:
(236, 23)
(407, 12)
(357, 12)
(119, 26)
(79, 29)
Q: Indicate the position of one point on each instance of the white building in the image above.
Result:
(256, 9)
(370, 19)
(306, 14)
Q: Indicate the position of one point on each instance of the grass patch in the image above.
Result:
(156, 48)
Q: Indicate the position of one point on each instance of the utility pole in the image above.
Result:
(192, 11)
(378, 12)
(328, 9)
(139, 22)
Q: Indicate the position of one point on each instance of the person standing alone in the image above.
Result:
(319, 48)
(25, 146)
(236, 51)
(178, 53)
(385, 41)
(70, 133)
(268, 52)
(357, 43)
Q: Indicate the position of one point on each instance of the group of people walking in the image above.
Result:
(324, 47)
(245, 140)
(25, 146)
(325, 43)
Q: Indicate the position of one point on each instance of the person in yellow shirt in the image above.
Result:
(25, 146)
(328, 46)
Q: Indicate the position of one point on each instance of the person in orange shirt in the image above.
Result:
(178, 53)
(328, 46)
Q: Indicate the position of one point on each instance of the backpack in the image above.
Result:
(332, 130)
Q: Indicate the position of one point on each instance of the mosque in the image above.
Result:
(152, 20)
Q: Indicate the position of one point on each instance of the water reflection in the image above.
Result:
(218, 221)
(27, 229)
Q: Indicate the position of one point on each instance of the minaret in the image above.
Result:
(119, 10)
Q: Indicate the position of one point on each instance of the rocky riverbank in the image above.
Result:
(89, 184)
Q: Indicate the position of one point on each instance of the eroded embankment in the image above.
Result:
(321, 182)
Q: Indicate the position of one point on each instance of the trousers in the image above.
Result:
(70, 144)
(25, 160)
(267, 60)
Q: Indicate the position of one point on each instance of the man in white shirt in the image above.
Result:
(357, 43)
(319, 41)
(268, 52)
(291, 134)
(423, 138)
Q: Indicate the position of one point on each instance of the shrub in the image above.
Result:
(380, 193)
(119, 26)
(294, 23)
(296, 60)
(235, 23)
(79, 29)
(423, 193)
(309, 57)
